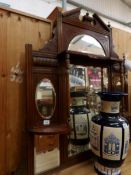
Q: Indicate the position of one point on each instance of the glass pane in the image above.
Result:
(85, 82)
(105, 79)
(45, 98)
(86, 44)
(46, 153)
(77, 77)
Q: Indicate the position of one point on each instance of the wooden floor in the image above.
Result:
(86, 168)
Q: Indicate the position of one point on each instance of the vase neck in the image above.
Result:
(112, 107)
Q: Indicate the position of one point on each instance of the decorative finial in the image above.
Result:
(109, 25)
(87, 14)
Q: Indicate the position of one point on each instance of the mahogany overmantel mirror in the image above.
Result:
(62, 77)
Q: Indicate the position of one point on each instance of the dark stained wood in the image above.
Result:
(30, 154)
(54, 13)
(51, 129)
(44, 143)
(90, 59)
(53, 61)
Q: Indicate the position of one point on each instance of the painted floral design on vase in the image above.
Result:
(109, 135)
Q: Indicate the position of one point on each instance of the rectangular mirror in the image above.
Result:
(85, 82)
(46, 153)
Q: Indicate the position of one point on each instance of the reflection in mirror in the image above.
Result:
(117, 82)
(116, 78)
(85, 82)
(45, 98)
(86, 44)
(105, 79)
(46, 153)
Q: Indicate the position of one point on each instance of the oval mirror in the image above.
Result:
(45, 98)
(86, 44)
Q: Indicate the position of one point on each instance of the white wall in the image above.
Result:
(113, 8)
(40, 8)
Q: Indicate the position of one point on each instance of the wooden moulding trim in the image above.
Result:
(101, 22)
(116, 59)
(24, 14)
(51, 129)
(39, 61)
(53, 15)
(85, 26)
(74, 54)
(71, 12)
(44, 54)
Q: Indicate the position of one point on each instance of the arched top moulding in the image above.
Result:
(68, 25)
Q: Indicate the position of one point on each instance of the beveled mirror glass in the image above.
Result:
(85, 81)
(45, 98)
(86, 44)
(46, 153)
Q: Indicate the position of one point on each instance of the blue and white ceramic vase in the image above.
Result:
(79, 120)
(109, 135)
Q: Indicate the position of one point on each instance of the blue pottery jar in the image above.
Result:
(79, 120)
(109, 135)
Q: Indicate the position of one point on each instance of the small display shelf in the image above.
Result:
(50, 129)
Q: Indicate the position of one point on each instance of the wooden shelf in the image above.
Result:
(88, 59)
(50, 129)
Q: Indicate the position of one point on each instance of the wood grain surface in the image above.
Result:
(16, 30)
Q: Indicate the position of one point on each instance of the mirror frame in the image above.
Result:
(53, 61)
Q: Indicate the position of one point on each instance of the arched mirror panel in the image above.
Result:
(86, 44)
(84, 82)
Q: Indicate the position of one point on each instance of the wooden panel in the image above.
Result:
(122, 43)
(3, 95)
(16, 30)
(46, 143)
